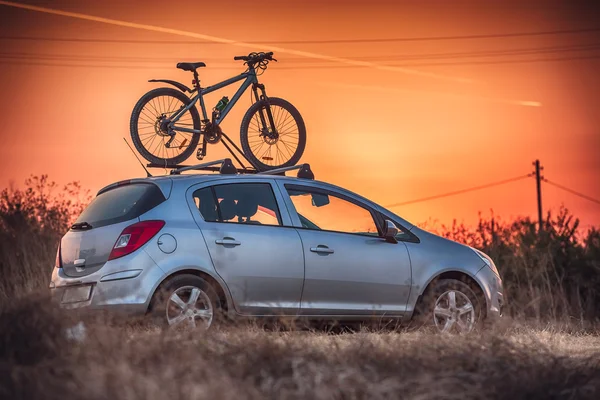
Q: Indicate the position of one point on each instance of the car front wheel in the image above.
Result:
(450, 306)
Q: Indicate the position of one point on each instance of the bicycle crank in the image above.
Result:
(212, 133)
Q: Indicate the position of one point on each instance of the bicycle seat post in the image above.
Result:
(196, 80)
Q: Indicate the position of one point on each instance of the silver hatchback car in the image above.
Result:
(191, 249)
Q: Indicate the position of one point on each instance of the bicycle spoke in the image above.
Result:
(171, 102)
(145, 120)
(164, 107)
(269, 149)
(151, 104)
(287, 147)
(287, 125)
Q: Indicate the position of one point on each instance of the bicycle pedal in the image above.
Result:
(199, 155)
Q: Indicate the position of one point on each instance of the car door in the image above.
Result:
(349, 268)
(260, 260)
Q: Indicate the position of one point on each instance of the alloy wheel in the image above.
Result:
(189, 306)
(454, 313)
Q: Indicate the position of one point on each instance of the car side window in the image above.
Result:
(243, 203)
(319, 210)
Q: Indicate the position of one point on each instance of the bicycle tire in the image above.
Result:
(135, 136)
(286, 105)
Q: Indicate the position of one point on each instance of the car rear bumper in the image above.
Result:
(123, 286)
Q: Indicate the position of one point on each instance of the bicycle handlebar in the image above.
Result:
(253, 58)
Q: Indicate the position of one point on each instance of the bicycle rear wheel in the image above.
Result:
(148, 131)
(267, 149)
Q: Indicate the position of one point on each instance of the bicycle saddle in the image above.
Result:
(186, 66)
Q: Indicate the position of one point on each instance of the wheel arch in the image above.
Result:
(458, 275)
(224, 296)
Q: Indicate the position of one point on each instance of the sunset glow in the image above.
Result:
(391, 120)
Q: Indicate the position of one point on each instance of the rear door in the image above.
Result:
(259, 258)
(87, 245)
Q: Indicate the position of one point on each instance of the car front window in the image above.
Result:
(326, 211)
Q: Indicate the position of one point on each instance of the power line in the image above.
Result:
(439, 38)
(44, 62)
(27, 63)
(505, 181)
(494, 53)
(324, 41)
(128, 41)
(576, 193)
(417, 57)
(498, 62)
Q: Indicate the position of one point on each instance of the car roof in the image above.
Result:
(165, 180)
(165, 183)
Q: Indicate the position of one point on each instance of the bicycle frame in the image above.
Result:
(250, 79)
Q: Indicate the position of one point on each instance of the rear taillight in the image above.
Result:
(135, 236)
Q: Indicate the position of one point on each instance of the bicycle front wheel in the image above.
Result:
(149, 131)
(276, 145)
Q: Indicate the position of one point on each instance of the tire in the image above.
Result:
(438, 295)
(245, 127)
(136, 116)
(163, 309)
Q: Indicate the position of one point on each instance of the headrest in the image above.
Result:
(246, 207)
(208, 210)
(228, 209)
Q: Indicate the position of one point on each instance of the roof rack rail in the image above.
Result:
(226, 167)
(304, 171)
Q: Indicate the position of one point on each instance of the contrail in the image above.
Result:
(234, 42)
(525, 103)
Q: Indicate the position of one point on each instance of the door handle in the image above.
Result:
(321, 249)
(227, 241)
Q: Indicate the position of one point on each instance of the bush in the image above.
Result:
(32, 221)
(549, 275)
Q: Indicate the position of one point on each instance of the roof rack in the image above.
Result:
(225, 166)
(304, 171)
(210, 166)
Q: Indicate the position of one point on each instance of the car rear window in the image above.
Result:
(120, 204)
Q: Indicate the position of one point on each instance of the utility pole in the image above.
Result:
(538, 182)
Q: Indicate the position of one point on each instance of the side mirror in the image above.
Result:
(319, 200)
(390, 230)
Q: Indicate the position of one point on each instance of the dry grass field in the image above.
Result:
(39, 361)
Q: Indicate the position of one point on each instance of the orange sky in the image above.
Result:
(386, 134)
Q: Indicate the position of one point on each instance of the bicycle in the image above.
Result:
(169, 115)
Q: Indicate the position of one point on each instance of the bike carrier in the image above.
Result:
(244, 169)
(226, 167)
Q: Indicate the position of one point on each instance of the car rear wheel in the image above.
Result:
(449, 306)
(186, 302)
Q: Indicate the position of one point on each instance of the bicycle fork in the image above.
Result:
(265, 131)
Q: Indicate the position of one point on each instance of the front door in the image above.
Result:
(260, 260)
(350, 268)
